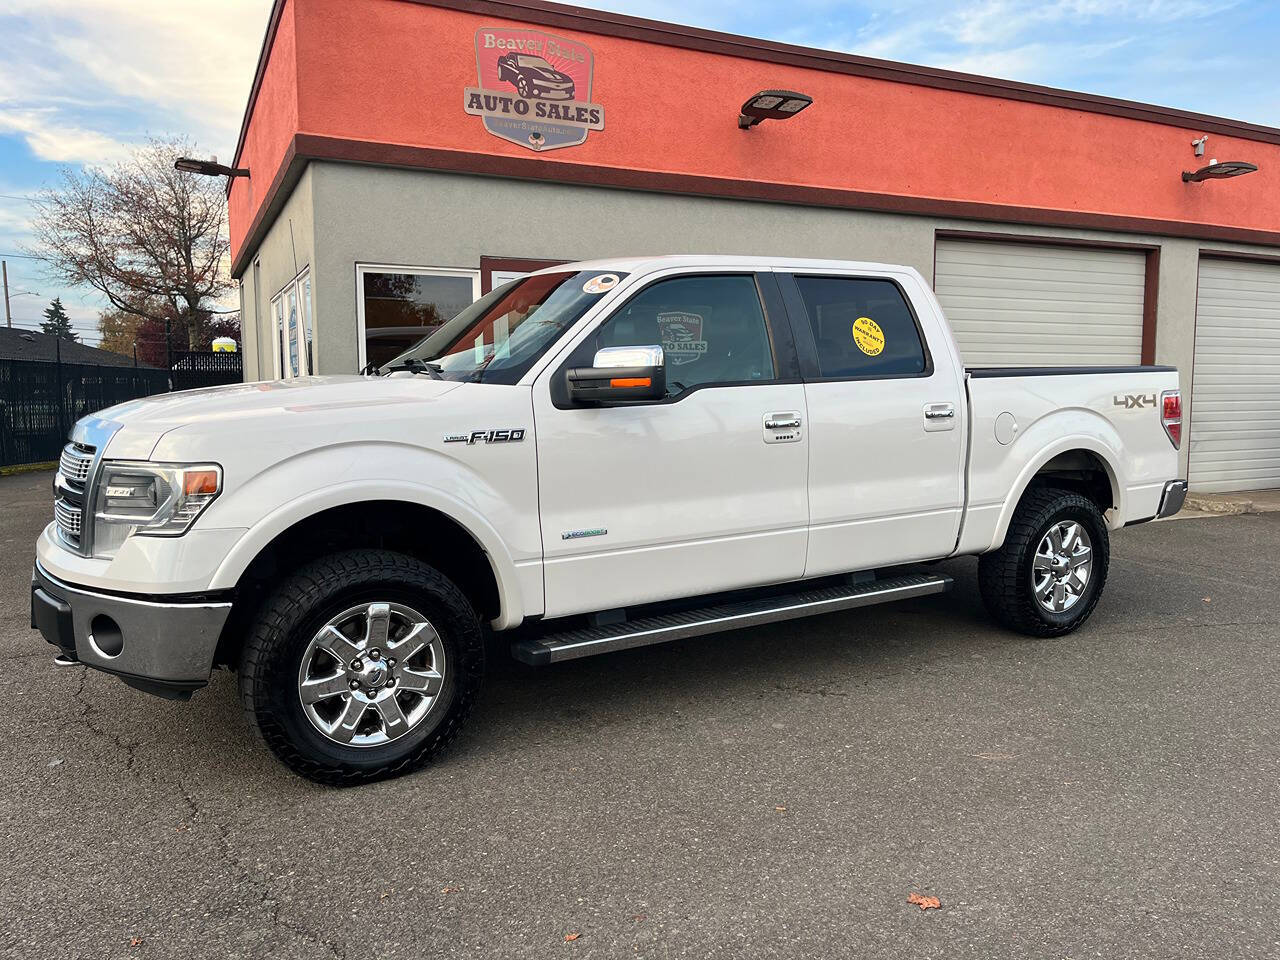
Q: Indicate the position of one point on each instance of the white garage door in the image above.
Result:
(1235, 392)
(1027, 304)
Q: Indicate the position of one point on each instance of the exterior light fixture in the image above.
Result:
(772, 105)
(1218, 171)
(208, 168)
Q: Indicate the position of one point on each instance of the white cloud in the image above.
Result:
(50, 139)
(178, 66)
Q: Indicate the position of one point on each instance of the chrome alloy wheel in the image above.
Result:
(1063, 562)
(371, 674)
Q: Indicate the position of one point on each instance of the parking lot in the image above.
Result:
(777, 792)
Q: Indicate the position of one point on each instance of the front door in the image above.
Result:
(704, 491)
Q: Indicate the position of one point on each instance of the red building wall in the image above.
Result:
(356, 73)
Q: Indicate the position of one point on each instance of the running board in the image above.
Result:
(588, 641)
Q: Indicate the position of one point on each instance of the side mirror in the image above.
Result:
(620, 375)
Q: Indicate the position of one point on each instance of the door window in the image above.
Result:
(862, 327)
(712, 330)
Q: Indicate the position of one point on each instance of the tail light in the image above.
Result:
(1171, 416)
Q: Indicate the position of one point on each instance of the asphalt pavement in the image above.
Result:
(775, 792)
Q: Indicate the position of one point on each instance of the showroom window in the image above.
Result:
(292, 332)
(398, 306)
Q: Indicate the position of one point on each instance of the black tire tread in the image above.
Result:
(300, 592)
(1002, 576)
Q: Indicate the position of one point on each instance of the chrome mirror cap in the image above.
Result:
(647, 356)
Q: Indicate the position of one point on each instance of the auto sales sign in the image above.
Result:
(535, 88)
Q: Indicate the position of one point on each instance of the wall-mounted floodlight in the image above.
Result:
(208, 168)
(772, 105)
(1219, 171)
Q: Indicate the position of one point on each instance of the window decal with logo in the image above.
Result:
(535, 88)
(682, 340)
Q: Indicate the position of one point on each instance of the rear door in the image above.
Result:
(701, 492)
(887, 417)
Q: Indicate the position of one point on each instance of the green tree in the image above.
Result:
(56, 321)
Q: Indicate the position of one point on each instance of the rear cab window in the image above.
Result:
(861, 327)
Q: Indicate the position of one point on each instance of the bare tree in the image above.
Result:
(150, 238)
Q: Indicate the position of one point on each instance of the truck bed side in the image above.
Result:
(1071, 421)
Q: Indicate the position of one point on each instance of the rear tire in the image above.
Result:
(319, 678)
(1047, 577)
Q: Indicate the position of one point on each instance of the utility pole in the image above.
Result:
(4, 268)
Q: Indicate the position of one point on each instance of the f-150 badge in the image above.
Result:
(486, 436)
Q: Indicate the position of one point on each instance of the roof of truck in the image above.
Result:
(727, 261)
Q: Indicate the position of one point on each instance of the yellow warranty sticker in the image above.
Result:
(868, 336)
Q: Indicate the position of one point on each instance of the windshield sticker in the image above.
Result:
(601, 284)
(535, 88)
(868, 336)
(681, 334)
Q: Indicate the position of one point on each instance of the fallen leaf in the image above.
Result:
(451, 890)
(570, 937)
(924, 903)
(640, 916)
(135, 941)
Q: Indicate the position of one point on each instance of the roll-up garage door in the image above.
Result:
(1235, 390)
(1031, 304)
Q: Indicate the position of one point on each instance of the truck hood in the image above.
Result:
(144, 421)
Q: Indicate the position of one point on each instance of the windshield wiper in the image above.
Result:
(433, 370)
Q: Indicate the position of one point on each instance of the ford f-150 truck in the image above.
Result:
(594, 457)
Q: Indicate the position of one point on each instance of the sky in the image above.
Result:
(83, 80)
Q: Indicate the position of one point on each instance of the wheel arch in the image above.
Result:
(1084, 464)
(385, 511)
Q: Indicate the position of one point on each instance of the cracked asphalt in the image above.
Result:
(776, 792)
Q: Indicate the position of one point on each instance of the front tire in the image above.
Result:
(361, 666)
(1047, 577)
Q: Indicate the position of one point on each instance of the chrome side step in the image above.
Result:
(588, 641)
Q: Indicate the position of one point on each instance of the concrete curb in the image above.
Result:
(1217, 503)
(27, 468)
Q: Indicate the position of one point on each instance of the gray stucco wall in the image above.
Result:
(345, 214)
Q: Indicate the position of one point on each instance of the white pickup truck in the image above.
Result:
(597, 456)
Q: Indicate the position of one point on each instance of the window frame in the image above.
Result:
(807, 345)
(364, 268)
(778, 328)
(280, 327)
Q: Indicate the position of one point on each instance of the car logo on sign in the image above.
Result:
(534, 88)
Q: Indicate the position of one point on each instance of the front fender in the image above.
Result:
(492, 511)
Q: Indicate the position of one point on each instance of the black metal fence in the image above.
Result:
(191, 370)
(41, 399)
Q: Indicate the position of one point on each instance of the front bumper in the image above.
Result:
(155, 645)
(1175, 494)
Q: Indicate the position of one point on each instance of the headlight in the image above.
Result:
(152, 499)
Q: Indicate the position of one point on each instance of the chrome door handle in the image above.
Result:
(782, 424)
(939, 411)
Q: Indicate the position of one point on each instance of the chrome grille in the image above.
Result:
(74, 468)
(75, 462)
(68, 518)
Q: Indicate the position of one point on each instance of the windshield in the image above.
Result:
(500, 336)
(534, 62)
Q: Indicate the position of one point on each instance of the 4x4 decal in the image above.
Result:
(1134, 401)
